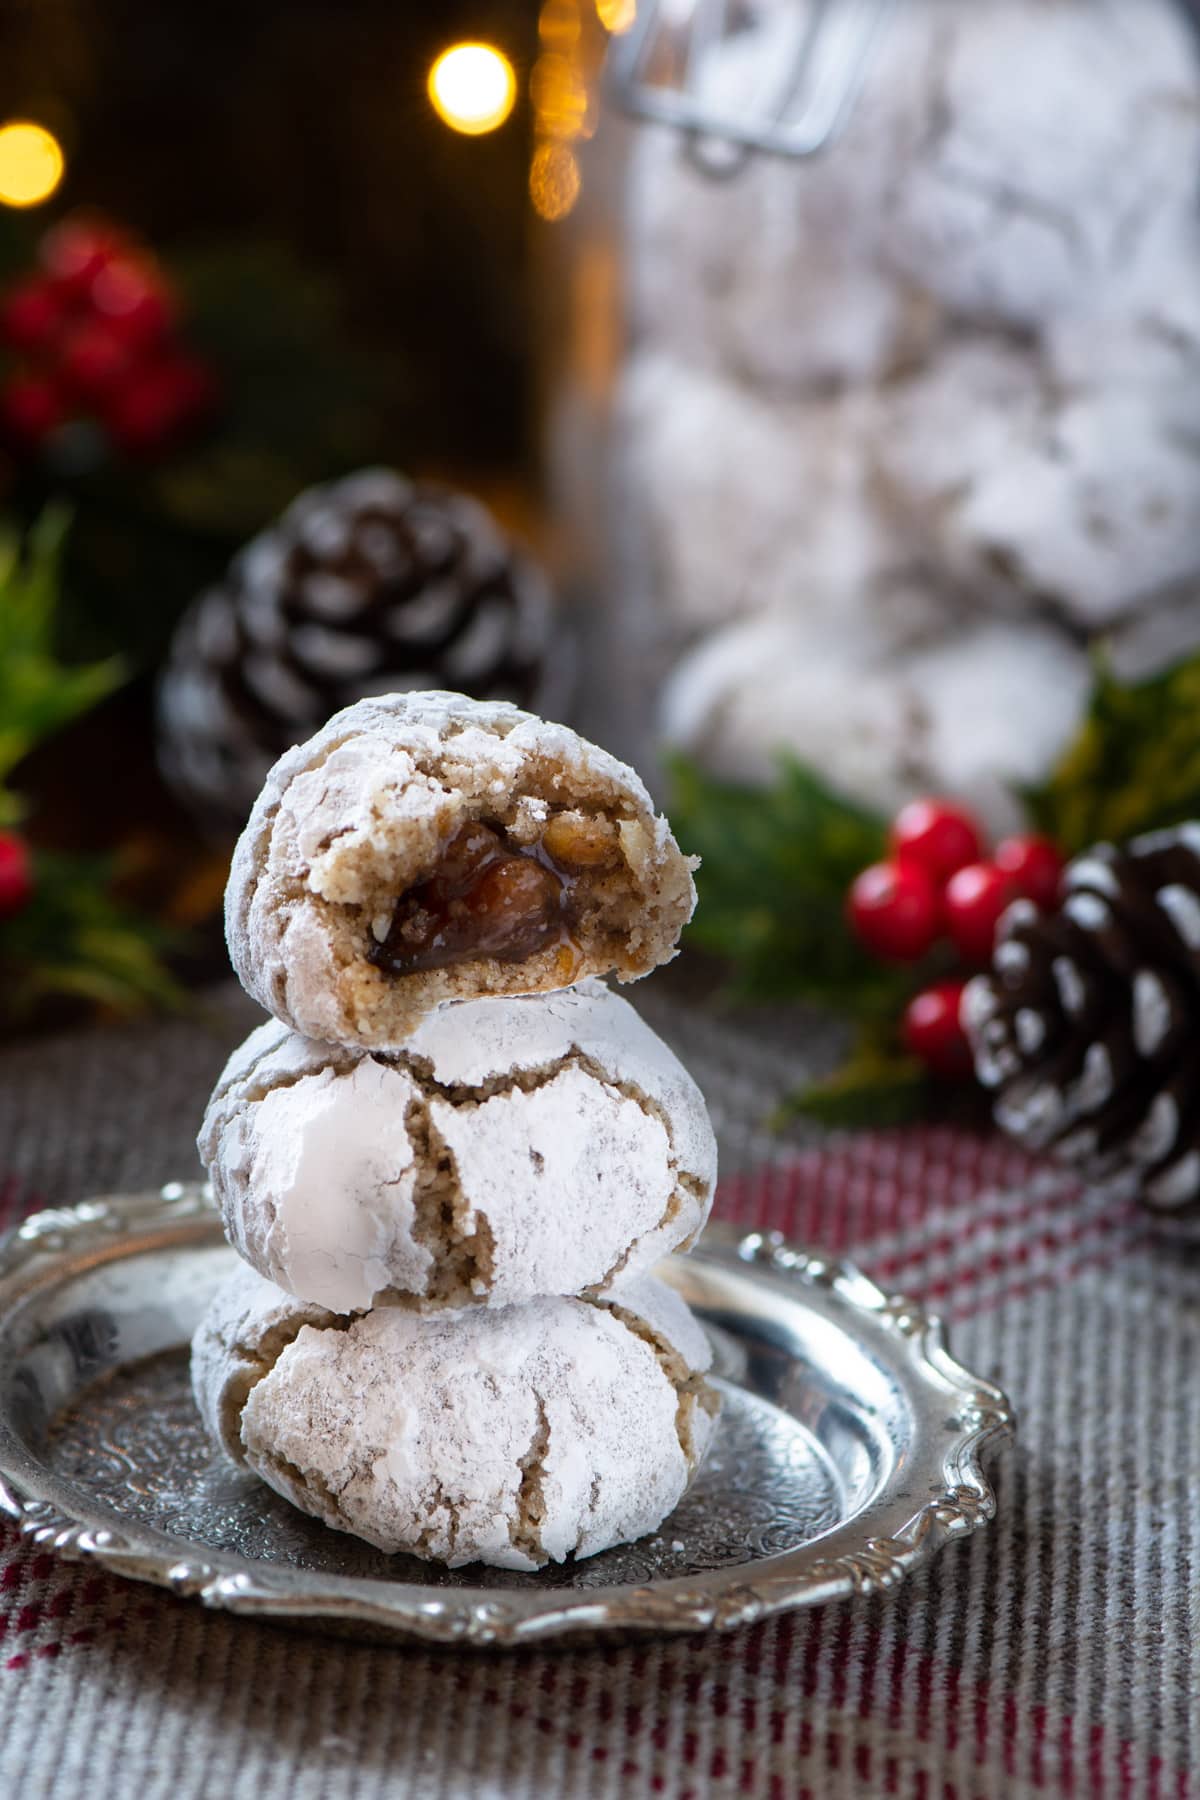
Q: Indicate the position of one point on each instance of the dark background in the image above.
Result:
(306, 122)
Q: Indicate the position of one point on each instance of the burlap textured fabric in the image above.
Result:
(1058, 1651)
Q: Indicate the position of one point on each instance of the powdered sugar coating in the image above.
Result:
(511, 1437)
(360, 813)
(978, 712)
(514, 1147)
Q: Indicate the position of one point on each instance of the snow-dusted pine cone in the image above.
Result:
(1086, 1028)
(369, 585)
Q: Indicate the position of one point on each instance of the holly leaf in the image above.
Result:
(877, 1085)
(775, 866)
(38, 693)
(1133, 766)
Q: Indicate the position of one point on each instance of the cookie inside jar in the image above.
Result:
(508, 892)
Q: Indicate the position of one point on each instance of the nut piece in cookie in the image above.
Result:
(515, 1437)
(424, 847)
(546, 1144)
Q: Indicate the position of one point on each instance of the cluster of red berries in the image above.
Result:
(16, 874)
(937, 884)
(96, 328)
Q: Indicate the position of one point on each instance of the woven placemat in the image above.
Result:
(1057, 1651)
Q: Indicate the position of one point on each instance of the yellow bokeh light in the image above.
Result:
(616, 15)
(559, 95)
(472, 87)
(31, 163)
(554, 181)
(559, 24)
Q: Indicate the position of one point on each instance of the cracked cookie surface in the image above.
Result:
(514, 1437)
(551, 1144)
(424, 847)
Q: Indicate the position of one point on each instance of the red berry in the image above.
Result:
(1035, 866)
(94, 361)
(133, 301)
(893, 907)
(32, 316)
(74, 253)
(16, 875)
(932, 1030)
(937, 834)
(973, 901)
(152, 410)
(30, 409)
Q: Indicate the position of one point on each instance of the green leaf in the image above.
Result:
(775, 866)
(1133, 766)
(38, 693)
(874, 1087)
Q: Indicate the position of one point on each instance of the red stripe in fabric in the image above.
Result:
(924, 1695)
(997, 1263)
(810, 1669)
(1124, 1770)
(840, 1659)
(1051, 1279)
(896, 1694)
(1037, 1720)
(981, 1722)
(950, 1685)
(1010, 1734)
(1066, 1757)
(934, 1249)
(1096, 1758)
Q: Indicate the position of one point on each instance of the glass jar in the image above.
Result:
(861, 451)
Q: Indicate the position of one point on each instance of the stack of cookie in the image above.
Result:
(453, 1157)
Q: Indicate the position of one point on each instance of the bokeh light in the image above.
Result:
(616, 15)
(31, 163)
(559, 95)
(554, 181)
(472, 88)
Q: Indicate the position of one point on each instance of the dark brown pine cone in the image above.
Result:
(1086, 1028)
(369, 585)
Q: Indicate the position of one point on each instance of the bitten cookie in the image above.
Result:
(511, 1148)
(514, 1437)
(424, 847)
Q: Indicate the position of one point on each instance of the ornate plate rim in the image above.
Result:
(51, 1512)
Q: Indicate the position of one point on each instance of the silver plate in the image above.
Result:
(849, 1446)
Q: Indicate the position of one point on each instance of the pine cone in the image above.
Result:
(1086, 1026)
(367, 586)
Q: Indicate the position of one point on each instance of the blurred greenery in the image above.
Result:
(1133, 766)
(74, 939)
(775, 866)
(77, 941)
(38, 693)
(778, 861)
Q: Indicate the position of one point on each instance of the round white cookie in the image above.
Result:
(515, 1437)
(551, 1144)
(978, 711)
(425, 847)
